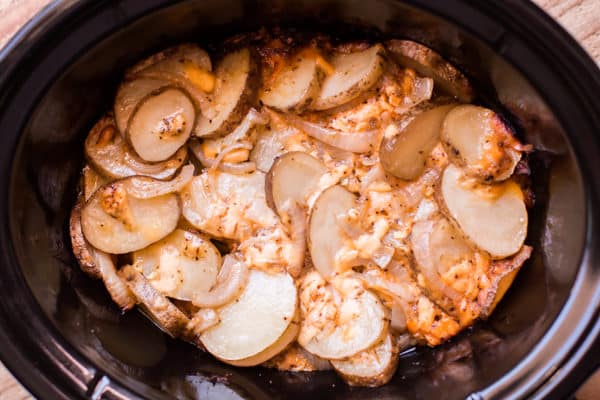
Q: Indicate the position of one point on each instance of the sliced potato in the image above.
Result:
(404, 155)
(180, 264)
(129, 94)
(372, 367)
(476, 139)
(493, 217)
(290, 334)
(161, 124)
(80, 246)
(256, 320)
(361, 324)
(296, 85)
(116, 222)
(111, 155)
(227, 205)
(235, 91)
(157, 307)
(293, 178)
(325, 235)
(353, 73)
(503, 274)
(296, 359)
(429, 63)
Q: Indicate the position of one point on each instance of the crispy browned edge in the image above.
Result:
(429, 63)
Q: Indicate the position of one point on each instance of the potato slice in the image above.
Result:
(404, 155)
(129, 94)
(293, 178)
(493, 217)
(180, 264)
(372, 367)
(80, 246)
(235, 92)
(111, 155)
(117, 223)
(325, 235)
(353, 74)
(429, 63)
(161, 124)
(476, 139)
(360, 323)
(290, 334)
(296, 85)
(256, 320)
(154, 305)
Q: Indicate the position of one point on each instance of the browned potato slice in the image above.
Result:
(404, 155)
(503, 274)
(161, 124)
(110, 155)
(180, 264)
(372, 367)
(256, 320)
(429, 63)
(325, 235)
(80, 246)
(293, 177)
(157, 307)
(235, 91)
(353, 73)
(493, 217)
(476, 139)
(296, 359)
(296, 85)
(116, 222)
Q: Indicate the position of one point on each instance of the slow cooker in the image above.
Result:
(62, 337)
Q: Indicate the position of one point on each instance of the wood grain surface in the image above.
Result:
(580, 17)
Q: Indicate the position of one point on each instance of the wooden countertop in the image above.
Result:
(580, 17)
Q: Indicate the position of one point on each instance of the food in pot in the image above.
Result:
(304, 204)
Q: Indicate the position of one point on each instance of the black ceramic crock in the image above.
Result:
(59, 333)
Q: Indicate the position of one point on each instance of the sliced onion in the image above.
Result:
(146, 188)
(117, 289)
(298, 225)
(355, 142)
(230, 282)
(202, 320)
(110, 155)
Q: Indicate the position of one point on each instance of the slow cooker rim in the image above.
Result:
(52, 14)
